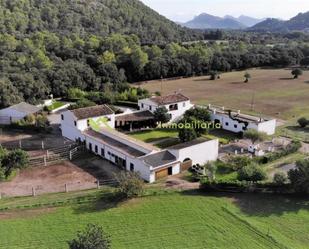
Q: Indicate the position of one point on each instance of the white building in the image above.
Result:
(176, 104)
(17, 112)
(74, 122)
(131, 154)
(238, 122)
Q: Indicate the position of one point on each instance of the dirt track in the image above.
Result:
(48, 180)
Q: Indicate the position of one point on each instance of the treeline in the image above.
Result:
(44, 63)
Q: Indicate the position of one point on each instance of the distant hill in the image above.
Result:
(206, 21)
(248, 21)
(297, 23)
(84, 17)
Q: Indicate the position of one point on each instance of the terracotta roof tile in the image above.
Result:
(169, 99)
(93, 111)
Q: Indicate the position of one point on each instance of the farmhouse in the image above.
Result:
(238, 122)
(17, 112)
(176, 104)
(74, 122)
(95, 127)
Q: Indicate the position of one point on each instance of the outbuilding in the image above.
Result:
(17, 112)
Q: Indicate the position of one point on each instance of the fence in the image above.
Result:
(56, 155)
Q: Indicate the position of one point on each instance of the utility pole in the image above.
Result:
(161, 84)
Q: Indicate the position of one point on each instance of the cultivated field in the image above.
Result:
(273, 92)
(174, 220)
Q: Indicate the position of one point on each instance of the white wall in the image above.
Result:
(200, 153)
(145, 104)
(72, 132)
(139, 167)
(227, 123)
(269, 127)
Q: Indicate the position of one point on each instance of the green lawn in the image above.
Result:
(174, 220)
(150, 136)
(55, 105)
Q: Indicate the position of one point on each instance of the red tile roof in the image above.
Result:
(169, 99)
(93, 111)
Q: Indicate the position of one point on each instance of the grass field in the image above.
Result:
(173, 220)
(55, 105)
(273, 92)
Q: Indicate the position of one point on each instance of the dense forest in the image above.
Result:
(50, 46)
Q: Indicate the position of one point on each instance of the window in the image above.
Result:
(75, 123)
(102, 152)
(236, 126)
(108, 153)
(142, 105)
(88, 122)
(184, 104)
(227, 124)
(90, 146)
(131, 167)
(150, 108)
(62, 117)
(96, 149)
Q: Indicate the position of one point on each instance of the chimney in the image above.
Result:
(238, 112)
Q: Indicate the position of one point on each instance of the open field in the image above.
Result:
(273, 92)
(173, 220)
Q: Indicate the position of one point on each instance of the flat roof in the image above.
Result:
(240, 116)
(160, 159)
(114, 143)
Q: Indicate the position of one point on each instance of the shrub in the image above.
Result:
(93, 237)
(239, 162)
(280, 178)
(251, 173)
(299, 177)
(130, 184)
(255, 136)
(303, 122)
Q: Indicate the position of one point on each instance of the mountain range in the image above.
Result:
(297, 23)
(207, 21)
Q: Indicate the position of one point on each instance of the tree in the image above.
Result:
(130, 184)
(280, 178)
(93, 237)
(16, 159)
(296, 73)
(75, 93)
(214, 75)
(252, 173)
(187, 134)
(255, 136)
(161, 115)
(303, 122)
(247, 77)
(198, 113)
(299, 177)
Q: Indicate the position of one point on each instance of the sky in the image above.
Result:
(185, 10)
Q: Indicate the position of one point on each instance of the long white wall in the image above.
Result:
(200, 153)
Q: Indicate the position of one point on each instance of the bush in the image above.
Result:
(239, 162)
(299, 177)
(303, 122)
(130, 184)
(280, 178)
(251, 173)
(93, 237)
